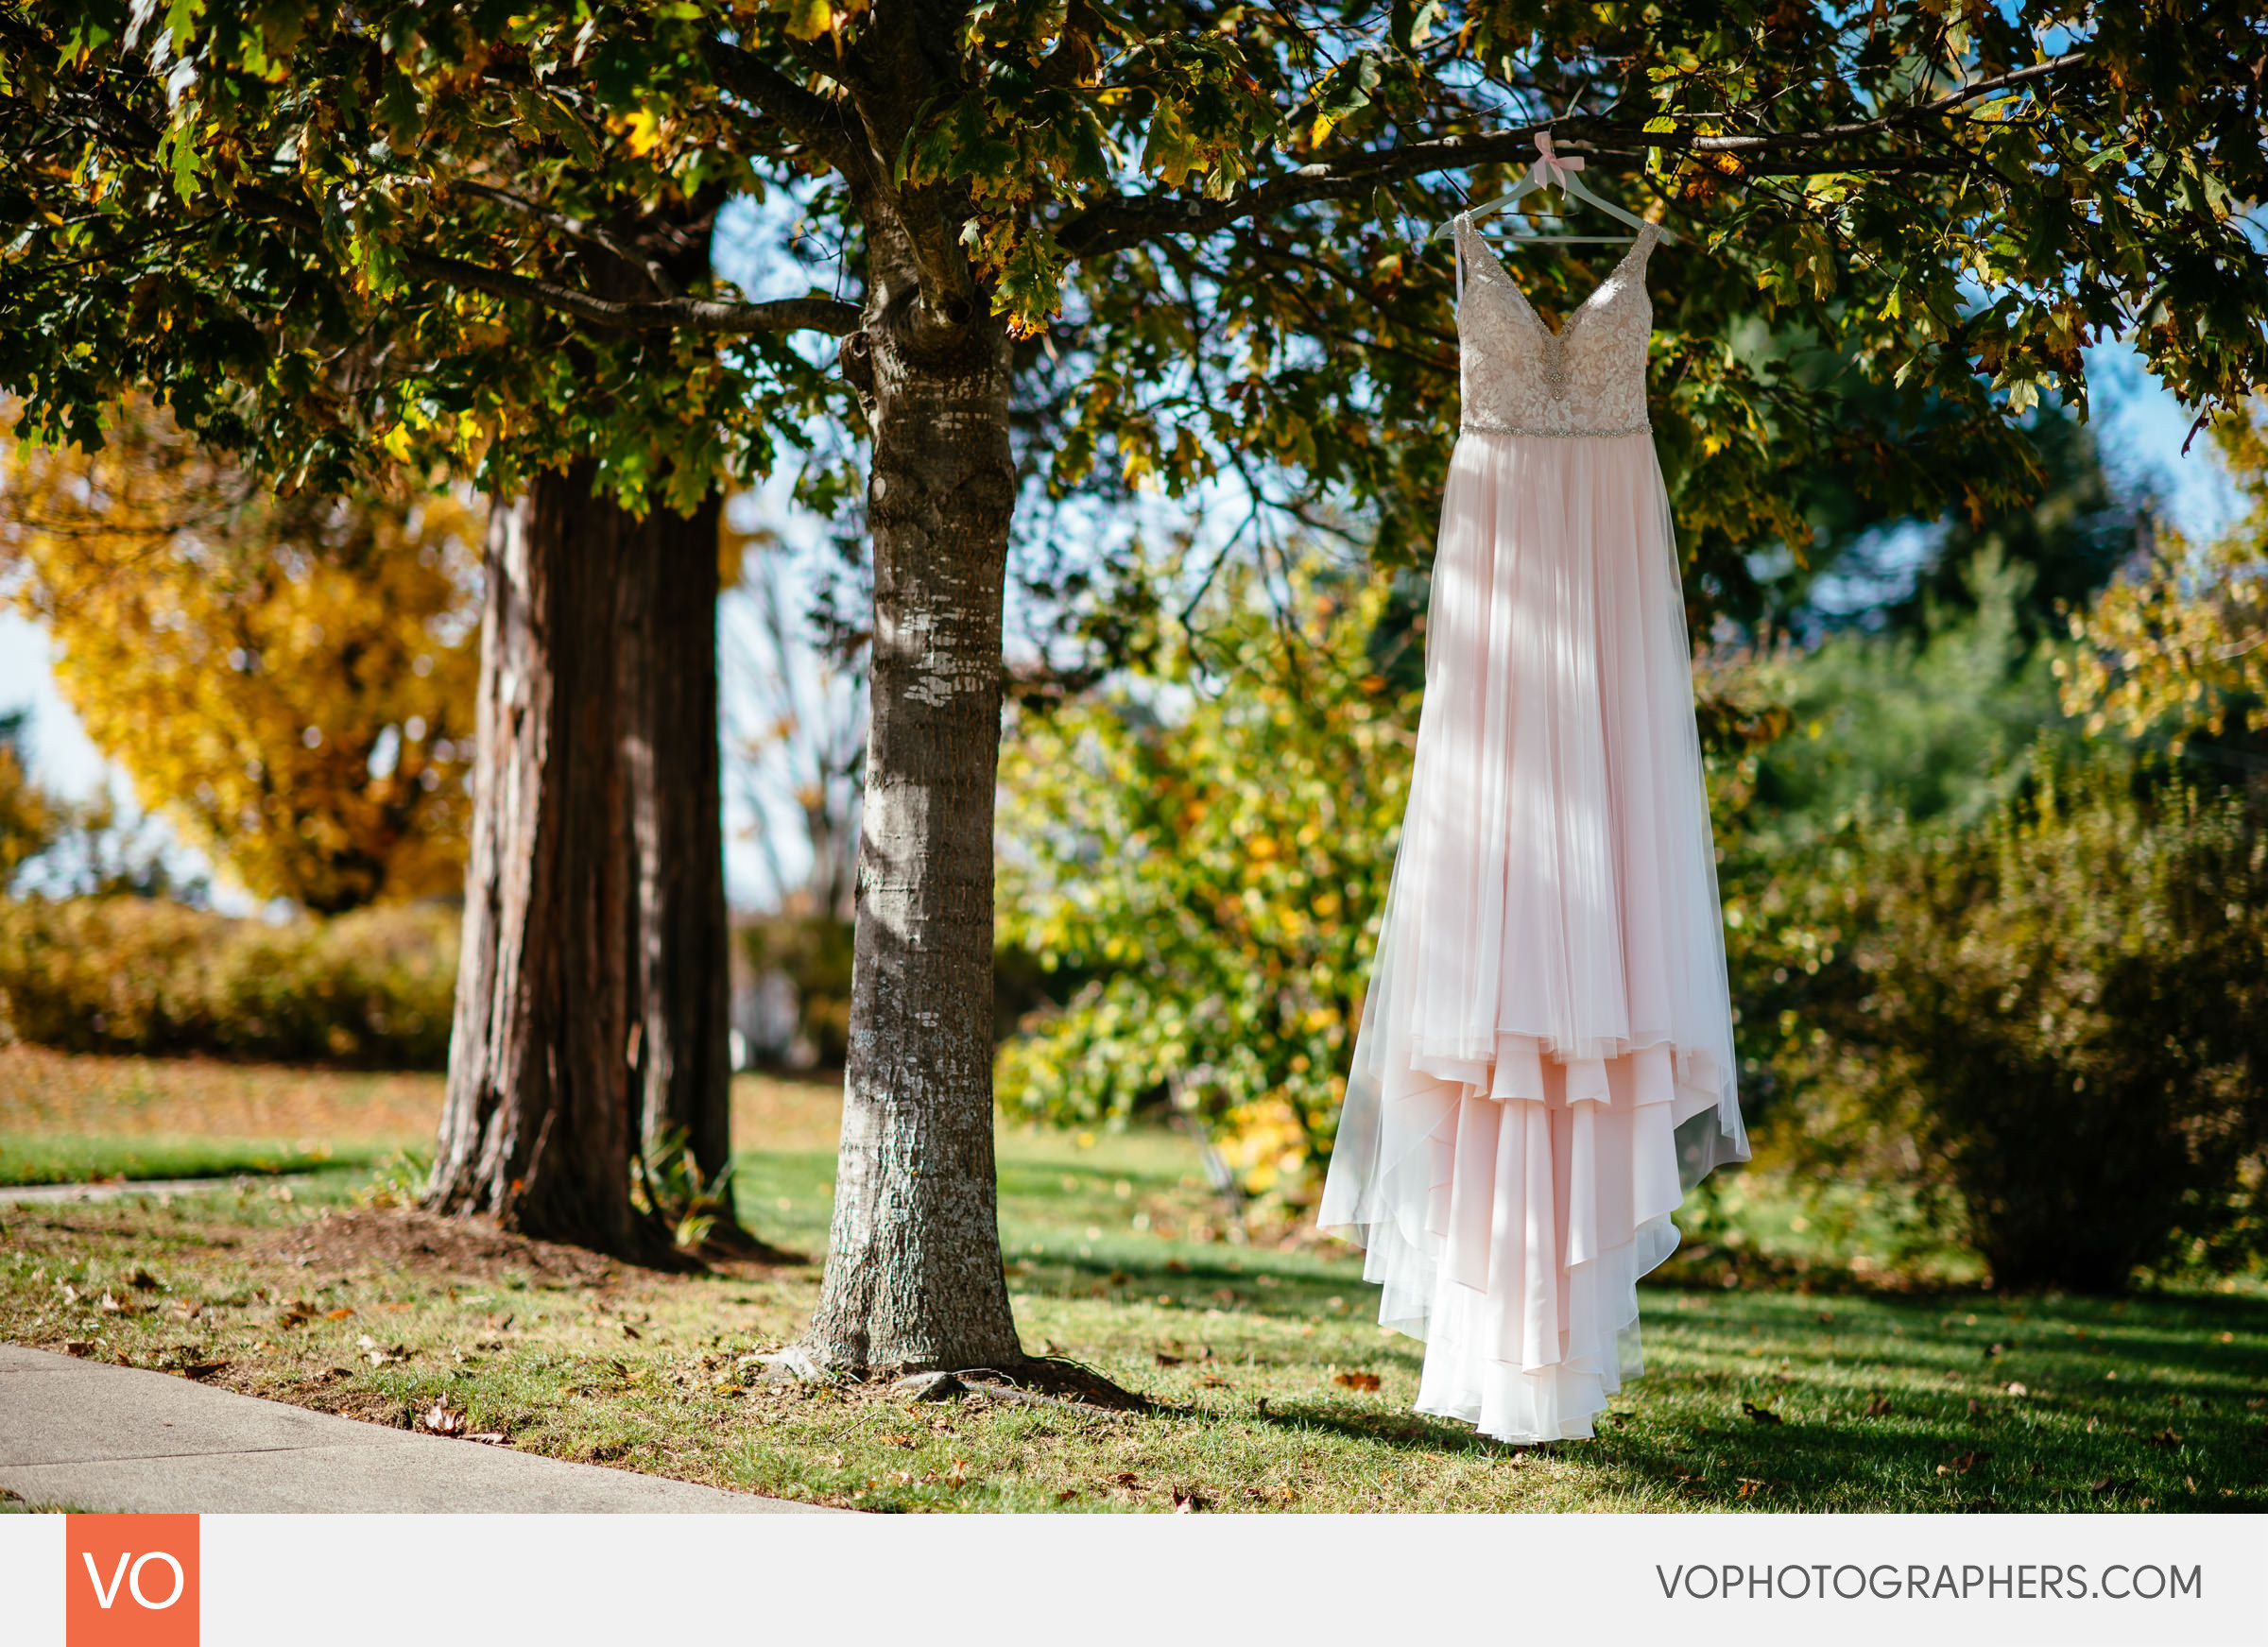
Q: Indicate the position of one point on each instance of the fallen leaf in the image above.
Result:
(490, 1437)
(1187, 1503)
(338, 1314)
(143, 1281)
(1878, 1407)
(202, 1370)
(2189, 1481)
(1962, 1463)
(78, 1346)
(2018, 1390)
(1165, 1360)
(1991, 1350)
(443, 1420)
(1750, 1486)
(1214, 1380)
(628, 1331)
(2099, 1489)
(2166, 1438)
(1126, 1478)
(1761, 1414)
(1975, 1406)
(1365, 1381)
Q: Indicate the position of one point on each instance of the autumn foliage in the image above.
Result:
(287, 678)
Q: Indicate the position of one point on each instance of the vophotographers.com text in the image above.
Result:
(1913, 1581)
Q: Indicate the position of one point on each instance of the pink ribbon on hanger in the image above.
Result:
(1559, 165)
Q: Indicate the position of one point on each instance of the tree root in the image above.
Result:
(1040, 1381)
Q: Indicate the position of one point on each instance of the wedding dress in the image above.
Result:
(1545, 1061)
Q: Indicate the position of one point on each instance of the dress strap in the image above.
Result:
(1462, 227)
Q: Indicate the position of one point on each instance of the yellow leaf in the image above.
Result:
(642, 129)
(809, 19)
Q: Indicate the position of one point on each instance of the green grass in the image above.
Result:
(2158, 1402)
(49, 1159)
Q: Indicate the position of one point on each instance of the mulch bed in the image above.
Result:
(462, 1248)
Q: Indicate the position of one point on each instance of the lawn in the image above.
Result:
(1273, 1388)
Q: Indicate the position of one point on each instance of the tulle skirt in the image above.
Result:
(1545, 1059)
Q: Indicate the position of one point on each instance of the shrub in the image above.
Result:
(2053, 1027)
(372, 989)
(1210, 857)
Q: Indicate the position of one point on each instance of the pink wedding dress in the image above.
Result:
(1545, 1060)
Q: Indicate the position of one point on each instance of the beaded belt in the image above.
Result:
(1476, 428)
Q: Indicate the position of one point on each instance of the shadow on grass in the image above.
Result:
(1412, 1432)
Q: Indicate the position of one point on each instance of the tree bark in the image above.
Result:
(535, 1127)
(590, 1000)
(680, 990)
(914, 1276)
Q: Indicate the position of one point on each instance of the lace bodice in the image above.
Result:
(1519, 377)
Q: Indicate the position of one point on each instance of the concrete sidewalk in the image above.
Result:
(98, 1438)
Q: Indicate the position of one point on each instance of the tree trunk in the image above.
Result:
(537, 1124)
(591, 1001)
(914, 1276)
(680, 990)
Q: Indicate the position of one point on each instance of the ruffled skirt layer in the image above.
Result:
(1545, 1057)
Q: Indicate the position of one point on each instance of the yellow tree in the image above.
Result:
(288, 678)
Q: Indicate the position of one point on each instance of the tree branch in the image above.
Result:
(646, 313)
(577, 229)
(1134, 219)
(121, 127)
(811, 119)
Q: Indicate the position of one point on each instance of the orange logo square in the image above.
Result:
(130, 1581)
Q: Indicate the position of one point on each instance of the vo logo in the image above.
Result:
(131, 1581)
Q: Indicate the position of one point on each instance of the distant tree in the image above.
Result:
(798, 736)
(1927, 721)
(2180, 651)
(288, 678)
(31, 820)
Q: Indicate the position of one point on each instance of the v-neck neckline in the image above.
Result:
(1644, 237)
